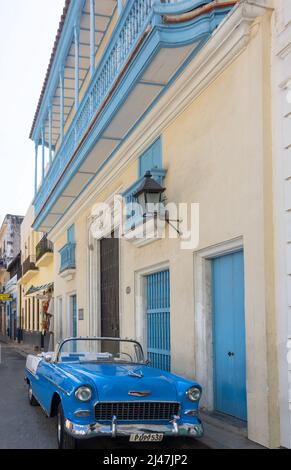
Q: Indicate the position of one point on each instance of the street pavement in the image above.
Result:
(25, 427)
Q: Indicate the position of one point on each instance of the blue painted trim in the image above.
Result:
(76, 41)
(198, 30)
(177, 8)
(120, 6)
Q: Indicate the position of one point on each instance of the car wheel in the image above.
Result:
(65, 441)
(32, 400)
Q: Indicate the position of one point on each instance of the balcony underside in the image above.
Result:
(28, 276)
(160, 58)
(45, 260)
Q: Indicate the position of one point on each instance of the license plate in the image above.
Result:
(146, 437)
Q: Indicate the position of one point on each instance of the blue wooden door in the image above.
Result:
(158, 320)
(229, 335)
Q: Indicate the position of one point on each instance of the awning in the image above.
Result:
(34, 290)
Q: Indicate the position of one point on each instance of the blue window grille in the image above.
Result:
(158, 320)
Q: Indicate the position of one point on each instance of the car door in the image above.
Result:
(44, 385)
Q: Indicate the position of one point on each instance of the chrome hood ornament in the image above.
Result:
(134, 393)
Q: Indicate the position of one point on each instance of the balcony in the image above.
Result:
(149, 46)
(29, 269)
(44, 252)
(68, 261)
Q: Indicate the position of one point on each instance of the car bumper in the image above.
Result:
(114, 429)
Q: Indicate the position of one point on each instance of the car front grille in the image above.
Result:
(136, 411)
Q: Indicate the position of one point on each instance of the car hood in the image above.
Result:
(114, 382)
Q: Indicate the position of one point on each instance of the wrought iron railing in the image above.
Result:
(43, 247)
(29, 265)
(68, 257)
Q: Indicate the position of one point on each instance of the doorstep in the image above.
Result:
(224, 432)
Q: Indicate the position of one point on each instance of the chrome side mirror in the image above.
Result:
(148, 362)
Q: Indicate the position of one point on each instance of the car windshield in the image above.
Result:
(100, 350)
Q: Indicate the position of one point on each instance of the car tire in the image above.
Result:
(32, 400)
(65, 441)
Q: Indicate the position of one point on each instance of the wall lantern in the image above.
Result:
(150, 198)
(149, 195)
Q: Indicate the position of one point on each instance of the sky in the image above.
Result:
(27, 33)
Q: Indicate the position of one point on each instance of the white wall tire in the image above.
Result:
(32, 400)
(65, 441)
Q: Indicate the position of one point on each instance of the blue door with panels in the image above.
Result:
(158, 320)
(229, 335)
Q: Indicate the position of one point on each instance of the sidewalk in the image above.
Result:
(22, 349)
(220, 432)
(223, 432)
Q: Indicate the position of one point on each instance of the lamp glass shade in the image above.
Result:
(153, 201)
(141, 199)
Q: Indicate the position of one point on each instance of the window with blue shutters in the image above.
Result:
(68, 252)
(71, 234)
(151, 160)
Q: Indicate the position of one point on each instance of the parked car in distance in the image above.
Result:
(103, 387)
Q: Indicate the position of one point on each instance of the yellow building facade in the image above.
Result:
(200, 121)
(35, 284)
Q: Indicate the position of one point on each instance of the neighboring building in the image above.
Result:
(281, 102)
(181, 89)
(36, 284)
(9, 243)
(9, 248)
(13, 316)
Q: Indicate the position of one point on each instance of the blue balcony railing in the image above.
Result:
(132, 24)
(68, 257)
(135, 20)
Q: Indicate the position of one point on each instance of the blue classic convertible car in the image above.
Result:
(103, 387)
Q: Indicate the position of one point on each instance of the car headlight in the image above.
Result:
(83, 393)
(194, 394)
